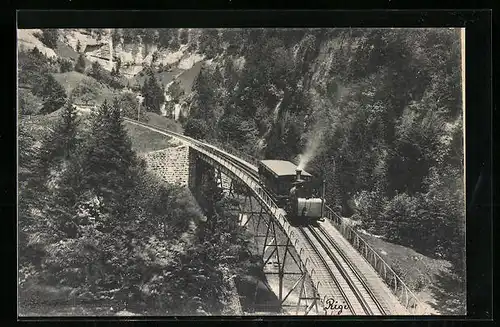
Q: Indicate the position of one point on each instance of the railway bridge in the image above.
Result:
(323, 269)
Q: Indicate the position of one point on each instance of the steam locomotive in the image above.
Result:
(293, 189)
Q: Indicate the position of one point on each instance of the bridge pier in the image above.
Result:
(313, 249)
(285, 275)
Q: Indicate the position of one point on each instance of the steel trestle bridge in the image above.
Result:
(322, 269)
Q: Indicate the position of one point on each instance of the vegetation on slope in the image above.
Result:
(96, 228)
(144, 140)
(382, 107)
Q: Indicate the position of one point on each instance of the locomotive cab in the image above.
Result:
(291, 188)
(278, 177)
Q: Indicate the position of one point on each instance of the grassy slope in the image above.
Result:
(430, 278)
(163, 122)
(144, 140)
(65, 51)
(72, 79)
(39, 124)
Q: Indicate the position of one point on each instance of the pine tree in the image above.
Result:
(66, 132)
(30, 189)
(61, 142)
(78, 46)
(49, 37)
(96, 71)
(80, 64)
(153, 94)
(58, 153)
(108, 160)
(118, 65)
(53, 93)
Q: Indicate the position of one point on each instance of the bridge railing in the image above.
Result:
(236, 152)
(405, 296)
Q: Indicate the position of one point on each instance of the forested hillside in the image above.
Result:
(377, 113)
(98, 233)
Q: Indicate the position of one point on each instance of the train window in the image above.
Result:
(279, 188)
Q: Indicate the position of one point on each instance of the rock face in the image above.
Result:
(170, 164)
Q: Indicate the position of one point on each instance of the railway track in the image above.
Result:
(366, 301)
(349, 281)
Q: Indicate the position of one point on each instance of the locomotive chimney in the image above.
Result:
(298, 172)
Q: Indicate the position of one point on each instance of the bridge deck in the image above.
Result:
(319, 265)
(376, 284)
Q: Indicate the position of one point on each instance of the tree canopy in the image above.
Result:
(153, 94)
(386, 102)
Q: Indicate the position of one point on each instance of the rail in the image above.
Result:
(405, 296)
(248, 175)
(343, 273)
(351, 266)
(236, 152)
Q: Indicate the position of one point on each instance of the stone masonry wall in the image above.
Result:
(170, 164)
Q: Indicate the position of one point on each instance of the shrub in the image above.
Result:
(49, 38)
(444, 207)
(196, 128)
(370, 206)
(401, 216)
(80, 64)
(28, 104)
(66, 65)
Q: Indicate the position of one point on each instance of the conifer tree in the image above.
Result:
(30, 187)
(118, 66)
(109, 162)
(80, 64)
(61, 142)
(96, 71)
(49, 37)
(153, 94)
(53, 93)
(78, 46)
(58, 153)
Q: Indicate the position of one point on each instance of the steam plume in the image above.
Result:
(326, 120)
(312, 146)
